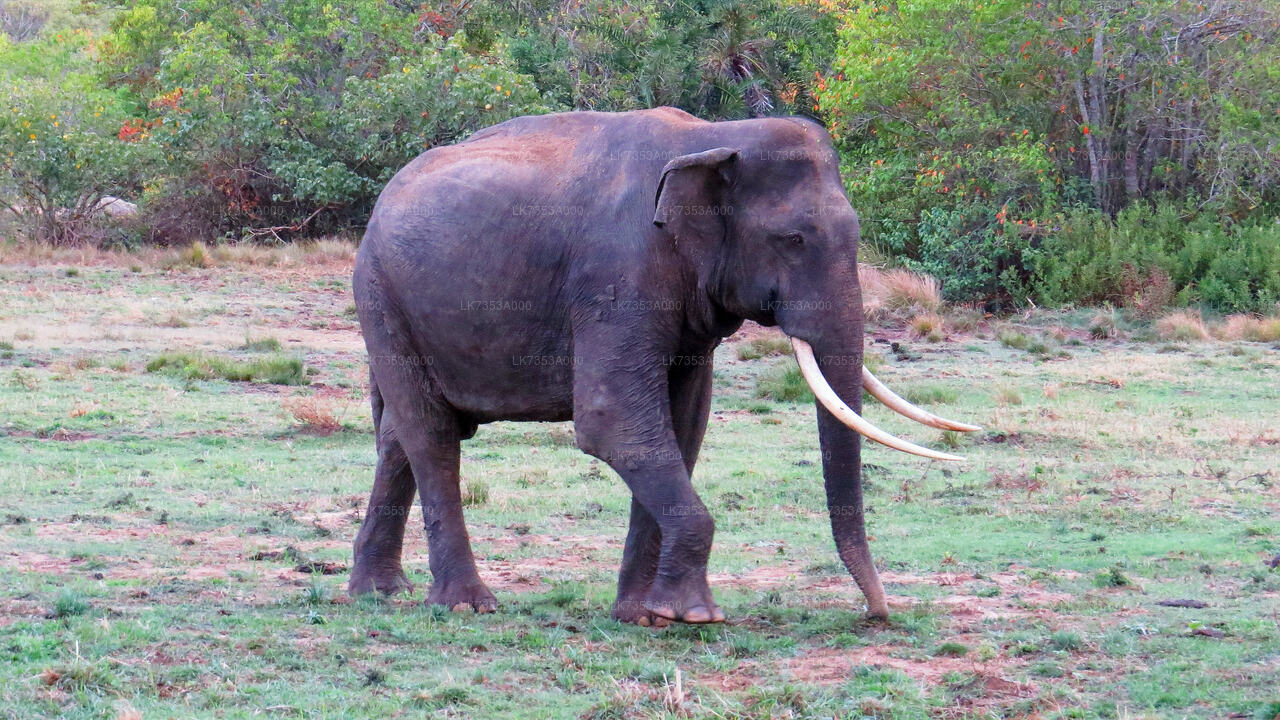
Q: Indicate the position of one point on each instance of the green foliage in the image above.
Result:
(274, 112)
(58, 140)
(715, 58)
(1091, 259)
(981, 140)
(1046, 153)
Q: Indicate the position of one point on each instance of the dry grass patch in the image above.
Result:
(1103, 324)
(1182, 325)
(1006, 395)
(898, 291)
(314, 414)
(1250, 327)
(927, 326)
(334, 252)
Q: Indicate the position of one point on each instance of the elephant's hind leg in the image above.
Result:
(380, 542)
(455, 582)
(429, 432)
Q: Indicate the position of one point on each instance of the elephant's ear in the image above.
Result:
(691, 197)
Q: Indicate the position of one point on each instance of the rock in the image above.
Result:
(114, 207)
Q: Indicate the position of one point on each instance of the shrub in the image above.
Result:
(1112, 577)
(264, 344)
(1153, 257)
(58, 141)
(1183, 326)
(906, 290)
(1014, 339)
(1066, 640)
(69, 604)
(287, 118)
(1005, 185)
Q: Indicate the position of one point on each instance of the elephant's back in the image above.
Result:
(560, 175)
(555, 145)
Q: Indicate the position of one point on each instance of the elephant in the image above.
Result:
(584, 266)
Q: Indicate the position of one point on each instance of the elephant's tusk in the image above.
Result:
(829, 399)
(896, 403)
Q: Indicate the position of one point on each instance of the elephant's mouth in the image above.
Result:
(823, 391)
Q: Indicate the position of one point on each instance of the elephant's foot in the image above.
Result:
(370, 577)
(634, 612)
(461, 596)
(686, 601)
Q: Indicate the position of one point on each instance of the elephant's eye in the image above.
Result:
(793, 239)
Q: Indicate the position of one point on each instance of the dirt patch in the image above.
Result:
(990, 686)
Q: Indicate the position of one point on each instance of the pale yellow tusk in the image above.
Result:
(829, 399)
(896, 403)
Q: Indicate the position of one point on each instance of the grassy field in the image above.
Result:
(157, 527)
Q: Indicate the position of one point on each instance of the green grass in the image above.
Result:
(152, 523)
(929, 394)
(274, 369)
(784, 384)
(265, 344)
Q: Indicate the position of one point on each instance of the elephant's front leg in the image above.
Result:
(622, 416)
(689, 393)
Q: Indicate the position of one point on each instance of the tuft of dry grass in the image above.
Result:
(315, 414)
(897, 292)
(1103, 324)
(1249, 327)
(964, 319)
(1008, 395)
(928, 326)
(475, 492)
(1182, 325)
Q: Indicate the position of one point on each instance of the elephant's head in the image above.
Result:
(766, 217)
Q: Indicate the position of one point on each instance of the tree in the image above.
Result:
(58, 136)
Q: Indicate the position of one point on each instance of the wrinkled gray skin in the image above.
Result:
(584, 266)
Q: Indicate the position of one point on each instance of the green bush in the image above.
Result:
(293, 114)
(984, 143)
(58, 138)
(1091, 259)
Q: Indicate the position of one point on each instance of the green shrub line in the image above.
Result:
(1147, 182)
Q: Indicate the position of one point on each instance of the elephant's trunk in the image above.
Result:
(842, 475)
